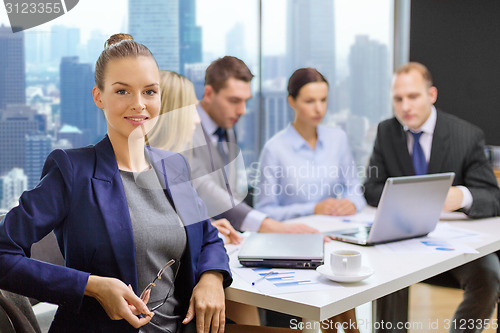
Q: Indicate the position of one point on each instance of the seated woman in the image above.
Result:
(176, 127)
(307, 168)
(118, 220)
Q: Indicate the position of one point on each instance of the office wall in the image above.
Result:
(459, 41)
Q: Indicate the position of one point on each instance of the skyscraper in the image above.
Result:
(311, 37)
(71, 134)
(277, 113)
(369, 79)
(37, 47)
(15, 122)
(12, 185)
(273, 68)
(235, 41)
(38, 146)
(12, 75)
(64, 42)
(190, 35)
(157, 26)
(77, 106)
(94, 47)
(196, 73)
(247, 134)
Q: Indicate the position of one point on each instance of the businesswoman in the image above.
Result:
(120, 211)
(307, 168)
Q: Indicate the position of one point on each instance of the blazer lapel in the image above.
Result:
(112, 202)
(173, 174)
(440, 146)
(165, 175)
(401, 149)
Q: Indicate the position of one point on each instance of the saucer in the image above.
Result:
(364, 272)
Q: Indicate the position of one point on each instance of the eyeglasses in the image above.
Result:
(158, 277)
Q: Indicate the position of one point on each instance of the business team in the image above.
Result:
(418, 140)
(102, 182)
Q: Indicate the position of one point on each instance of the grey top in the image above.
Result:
(159, 236)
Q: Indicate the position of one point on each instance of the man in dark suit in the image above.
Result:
(422, 140)
(227, 89)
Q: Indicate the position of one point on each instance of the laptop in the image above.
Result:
(282, 250)
(409, 207)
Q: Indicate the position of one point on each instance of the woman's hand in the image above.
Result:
(343, 207)
(225, 228)
(324, 207)
(337, 207)
(208, 303)
(118, 300)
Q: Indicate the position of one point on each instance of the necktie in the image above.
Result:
(418, 157)
(222, 139)
(221, 135)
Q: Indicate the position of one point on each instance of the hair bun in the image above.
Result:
(116, 38)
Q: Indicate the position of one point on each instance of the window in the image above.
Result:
(349, 41)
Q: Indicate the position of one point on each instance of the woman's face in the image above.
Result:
(131, 96)
(310, 103)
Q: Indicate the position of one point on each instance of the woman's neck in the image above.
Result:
(309, 133)
(129, 153)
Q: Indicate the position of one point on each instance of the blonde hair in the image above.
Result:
(418, 67)
(173, 131)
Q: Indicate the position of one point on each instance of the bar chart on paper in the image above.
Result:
(280, 281)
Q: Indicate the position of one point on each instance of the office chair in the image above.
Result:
(45, 250)
(14, 319)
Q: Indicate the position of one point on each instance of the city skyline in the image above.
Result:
(351, 17)
(59, 73)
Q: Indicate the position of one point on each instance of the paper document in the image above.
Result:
(446, 231)
(271, 281)
(426, 245)
(444, 238)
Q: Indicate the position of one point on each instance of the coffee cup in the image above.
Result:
(345, 262)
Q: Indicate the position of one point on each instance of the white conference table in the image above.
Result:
(392, 272)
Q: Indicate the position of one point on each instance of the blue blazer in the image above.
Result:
(81, 198)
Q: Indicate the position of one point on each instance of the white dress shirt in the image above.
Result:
(294, 178)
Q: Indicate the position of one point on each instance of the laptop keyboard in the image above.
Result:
(360, 232)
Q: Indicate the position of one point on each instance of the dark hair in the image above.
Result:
(301, 77)
(118, 46)
(418, 67)
(222, 69)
